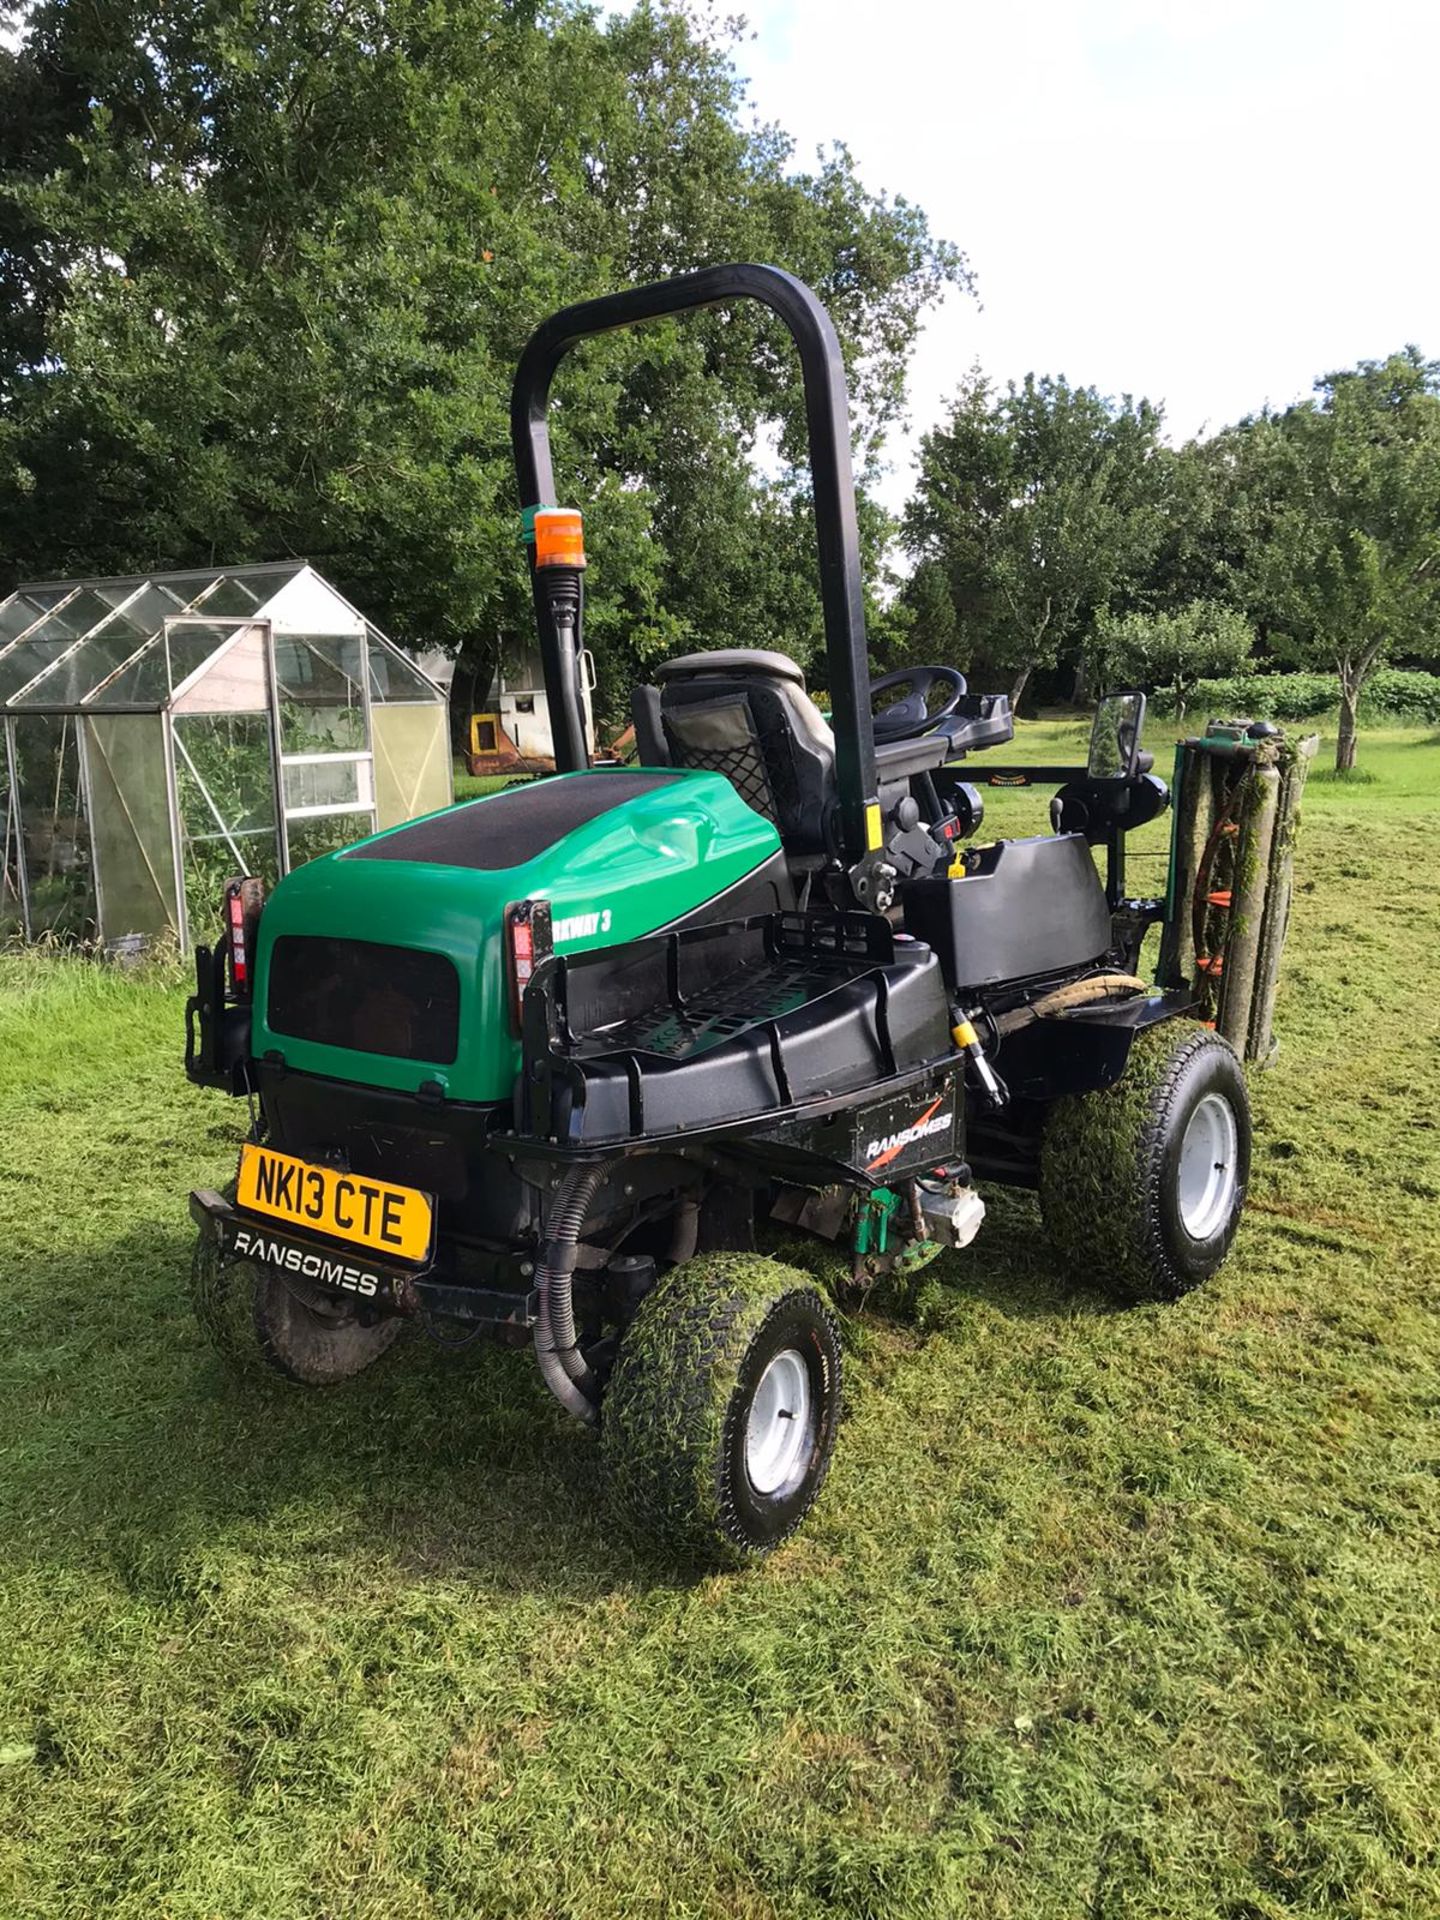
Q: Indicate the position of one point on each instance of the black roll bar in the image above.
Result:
(827, 416)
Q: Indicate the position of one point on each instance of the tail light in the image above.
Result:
(243, 899)
(527, 943)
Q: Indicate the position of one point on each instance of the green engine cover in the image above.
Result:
(639, 865)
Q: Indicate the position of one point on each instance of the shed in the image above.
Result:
(165, 731)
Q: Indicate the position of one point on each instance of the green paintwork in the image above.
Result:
(872, 1229)
(871, 1241)
(630, 872)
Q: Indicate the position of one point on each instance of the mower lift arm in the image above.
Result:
(828, 422)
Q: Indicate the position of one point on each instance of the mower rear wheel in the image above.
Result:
(1142, 1184)
(720, 1418)
(257, 1317)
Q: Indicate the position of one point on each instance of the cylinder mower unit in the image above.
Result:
(1237, 812)
(578, 1064)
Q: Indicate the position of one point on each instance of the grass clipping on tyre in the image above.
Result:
(1091, 1167)
(665, 1413)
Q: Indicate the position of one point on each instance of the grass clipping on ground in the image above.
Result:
(1104, 1612)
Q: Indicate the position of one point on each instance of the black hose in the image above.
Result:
(562, 1364)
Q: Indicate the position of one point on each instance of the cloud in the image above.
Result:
(1208, 205)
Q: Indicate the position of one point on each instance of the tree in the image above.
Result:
(1345, 495)
(1172, 650)
(1035, 511)
(1212, 524)
(266, 274)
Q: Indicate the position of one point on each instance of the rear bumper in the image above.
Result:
(351, 1274)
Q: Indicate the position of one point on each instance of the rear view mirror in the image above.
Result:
(1115, 737)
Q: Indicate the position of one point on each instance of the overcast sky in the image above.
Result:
(1206, 203)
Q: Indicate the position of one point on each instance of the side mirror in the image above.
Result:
(1115, 737)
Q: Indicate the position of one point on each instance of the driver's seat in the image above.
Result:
(744, 712)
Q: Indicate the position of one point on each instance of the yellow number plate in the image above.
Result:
(344, 1206)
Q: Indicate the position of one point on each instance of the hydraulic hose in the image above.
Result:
(1096, 986)
(562, 1364)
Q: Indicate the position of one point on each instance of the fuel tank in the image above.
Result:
(385, 964)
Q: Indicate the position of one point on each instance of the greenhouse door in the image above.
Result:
(322, 742)
(226, 791)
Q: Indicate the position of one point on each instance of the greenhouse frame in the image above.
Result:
(164, 732)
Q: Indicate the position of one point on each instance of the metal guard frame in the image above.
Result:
(827, 415)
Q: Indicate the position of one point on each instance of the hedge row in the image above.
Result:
(1389, 694)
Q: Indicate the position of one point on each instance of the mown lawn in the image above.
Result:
(1104, 1613)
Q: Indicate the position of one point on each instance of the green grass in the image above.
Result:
(1104, 1614)
(469, 786)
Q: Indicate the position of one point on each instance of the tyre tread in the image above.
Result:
(244, 1310)
(1102, 1167)
(663, 1419)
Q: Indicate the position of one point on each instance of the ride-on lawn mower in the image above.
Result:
(541, 1065)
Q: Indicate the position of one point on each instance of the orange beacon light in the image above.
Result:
(559, 537)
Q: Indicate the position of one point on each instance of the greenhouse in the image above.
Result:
(162, 733)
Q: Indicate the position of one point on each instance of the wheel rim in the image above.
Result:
(780, 1426)
(1209, 1171)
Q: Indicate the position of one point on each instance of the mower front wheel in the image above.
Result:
(1142, 1184)
(257, 1317)
(720, 1418)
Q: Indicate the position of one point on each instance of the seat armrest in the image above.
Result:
(898, 759)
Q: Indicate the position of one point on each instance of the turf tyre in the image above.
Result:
(1112, 1193)
(261, 1321)
(679, 1420)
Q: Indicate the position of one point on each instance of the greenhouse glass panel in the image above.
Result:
(72, 675)
(70, 618)
(144, 682)
(326, 833)
(55, 833)
(55, 636)
(190, 646)
(20, 665)
(23, 609)
(85, 664)
(141, 618)
(393, 677)
(235, 679)
(225, 787)
(412, 761)
(12, 899)
(327, 783)
(130, 824)
(319, 688)
(194, 589)
(238, 594)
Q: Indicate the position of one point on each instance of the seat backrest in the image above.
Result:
(744, 712)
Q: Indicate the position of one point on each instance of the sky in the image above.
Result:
(1208, 204)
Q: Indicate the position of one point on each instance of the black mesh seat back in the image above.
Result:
(719, 735)
(765, 735)
(509, 828)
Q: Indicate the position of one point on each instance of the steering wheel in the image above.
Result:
(912, 715)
